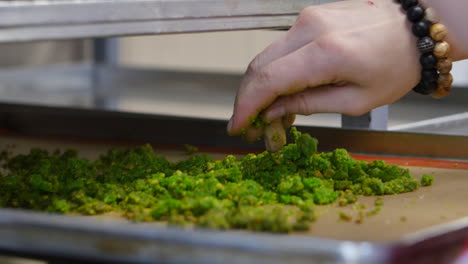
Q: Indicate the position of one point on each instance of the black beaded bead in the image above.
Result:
(406, 4)
(429, 75)
(425, 45)
(421, 28)
(428, 61)
(415, 14)
(423, 89)
(431, 86)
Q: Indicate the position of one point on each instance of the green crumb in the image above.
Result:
(360, 218)
(342, 202)
(274, 192)
(347, 198)
(427, 180)
(258, 122)
(350, 198)
(345, 216)
(360, 207)
(190, 149)
(403, 219)
(379, 202)
(374, 211)
(276, 138)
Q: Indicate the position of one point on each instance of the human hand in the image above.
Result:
(346, 57)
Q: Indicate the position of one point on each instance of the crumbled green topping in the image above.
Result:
(374, 211)
(258, 122)
(273, 192)
(427, 180)
(360, 217)
(345, 216)
(276, 138)
(347, 198)
(379, 202)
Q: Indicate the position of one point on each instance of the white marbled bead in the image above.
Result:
(431, 16)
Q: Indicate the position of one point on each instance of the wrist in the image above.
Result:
(436, 53)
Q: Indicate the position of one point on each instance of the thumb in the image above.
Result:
(275, 136)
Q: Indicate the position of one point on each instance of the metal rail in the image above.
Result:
(64, 19)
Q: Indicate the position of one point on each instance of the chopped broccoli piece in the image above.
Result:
(427, 180)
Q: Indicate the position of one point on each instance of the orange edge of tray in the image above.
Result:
(415, 162)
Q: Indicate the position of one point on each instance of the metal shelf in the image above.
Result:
(65, 19)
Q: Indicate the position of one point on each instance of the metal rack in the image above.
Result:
(64, 19)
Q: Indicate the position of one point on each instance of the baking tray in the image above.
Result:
(435, 228)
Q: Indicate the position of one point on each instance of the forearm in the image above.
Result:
(453, 15)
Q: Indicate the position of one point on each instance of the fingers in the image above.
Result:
(288, 120)
(275, 136)
(325, 99)
(298, 36)
(308, 66)
(253, 134)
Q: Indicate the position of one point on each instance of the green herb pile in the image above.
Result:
(266, 192)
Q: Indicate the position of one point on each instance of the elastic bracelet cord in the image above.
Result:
(436, 79)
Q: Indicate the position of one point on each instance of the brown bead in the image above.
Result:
(445, 80)
(438, 32)
(444, 65)
(442, 49)
(448, 88)
(441, 92)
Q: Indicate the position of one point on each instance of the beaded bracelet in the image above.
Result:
(436, 79)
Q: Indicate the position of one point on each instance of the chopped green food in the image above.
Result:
(345, 216)
(427, 180)
(379, 202)
(374, 211)
(274, 192)
(360, 207)
(360, 218)
(276, 138)
(347, 198)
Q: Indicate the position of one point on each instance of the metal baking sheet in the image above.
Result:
(435, 225)
(62, 19)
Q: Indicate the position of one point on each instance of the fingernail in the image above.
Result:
(275, 113)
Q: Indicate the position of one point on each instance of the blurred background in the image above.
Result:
(183, 74)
